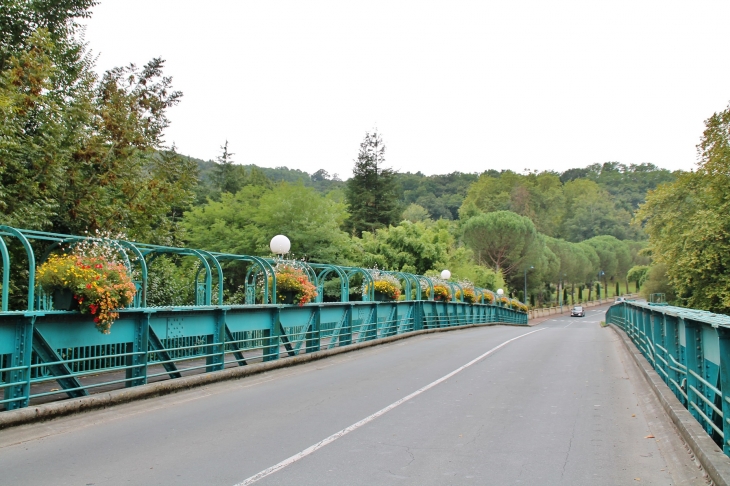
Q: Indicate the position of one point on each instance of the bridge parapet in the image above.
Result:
(48, 354)
(690, 350)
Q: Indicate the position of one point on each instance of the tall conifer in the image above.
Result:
(371, 193)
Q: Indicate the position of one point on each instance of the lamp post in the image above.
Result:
(280, 245)
(500, 293)
(525, 295)
(445, 274)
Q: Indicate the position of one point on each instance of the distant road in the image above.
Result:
(563, 405)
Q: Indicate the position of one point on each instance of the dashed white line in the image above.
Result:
(370, 418)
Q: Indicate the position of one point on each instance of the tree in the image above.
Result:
(228, 177)
(688, 226)
(415, 213)
(82, 153)
(637, 274)
(20, 19)
(371, 192)
(501, 239)
(244, 223)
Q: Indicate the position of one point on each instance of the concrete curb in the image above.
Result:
(48, 411)
(710, 455)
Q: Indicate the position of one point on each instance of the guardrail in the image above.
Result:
(690, 350)
(55, 354)
(47, 354)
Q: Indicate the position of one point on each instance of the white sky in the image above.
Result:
(452, 86)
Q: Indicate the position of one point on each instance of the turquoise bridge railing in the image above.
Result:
(48, 354)
(690, 350)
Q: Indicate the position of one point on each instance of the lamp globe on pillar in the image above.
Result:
(445, 274)
(280, 245)
(500, 293)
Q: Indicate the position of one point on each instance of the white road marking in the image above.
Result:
(370, 418)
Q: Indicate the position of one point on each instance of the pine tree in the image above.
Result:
(228, 176)
(371, 193)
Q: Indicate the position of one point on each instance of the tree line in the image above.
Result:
(81, 151)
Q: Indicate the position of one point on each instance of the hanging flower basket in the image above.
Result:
(97, 286)
(293, 285)
(63, 299)
(469, 296)
(441, 293)
(385, 290)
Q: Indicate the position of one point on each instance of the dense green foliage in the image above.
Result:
(81, 151)
(688, 224)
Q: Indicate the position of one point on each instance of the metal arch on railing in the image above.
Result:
(142, 300)
(31, 262)
(453, 292)
(405, 278)
(416, 285)
(429, 285)
(6, 274)
(368, 284)
(326, 270)
(250, 280)
(154, 251)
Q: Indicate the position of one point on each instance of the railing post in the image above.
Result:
(657, 337)
(693, 347)
(138, 352)
(216, 343)
(313, 340)
(271, 351)
(724, 337)
(418, 315)
(671, 343)
(346, 331)
(19, 392)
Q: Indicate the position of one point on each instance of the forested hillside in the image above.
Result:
(82, 152)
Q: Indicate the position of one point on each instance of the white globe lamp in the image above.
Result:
(500, 292)
(445, 274)
(280, 245)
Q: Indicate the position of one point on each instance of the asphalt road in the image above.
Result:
(562, 405)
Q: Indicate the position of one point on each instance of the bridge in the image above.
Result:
(414, 391)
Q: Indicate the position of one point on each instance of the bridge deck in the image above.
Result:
(564, 405)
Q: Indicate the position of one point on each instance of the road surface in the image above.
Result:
(557, 403)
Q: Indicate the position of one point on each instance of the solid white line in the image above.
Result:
(370, 418)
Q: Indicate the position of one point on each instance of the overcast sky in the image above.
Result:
(451, 86)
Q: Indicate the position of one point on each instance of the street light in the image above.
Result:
(280, 245)
(445, 274)
(525, 295)
(500, 292)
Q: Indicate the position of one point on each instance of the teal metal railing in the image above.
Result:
(48, 354)
(690, 350)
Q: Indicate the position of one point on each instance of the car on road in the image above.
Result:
(577, 311)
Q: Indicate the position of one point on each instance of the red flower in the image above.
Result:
(88, 286)
(96, 319)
